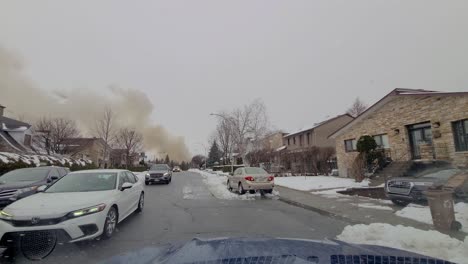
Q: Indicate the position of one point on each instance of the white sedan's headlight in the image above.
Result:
(87, 211)
(5, 215)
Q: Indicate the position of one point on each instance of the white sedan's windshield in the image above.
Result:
(84, 182)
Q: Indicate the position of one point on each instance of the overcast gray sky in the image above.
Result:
(306, 59)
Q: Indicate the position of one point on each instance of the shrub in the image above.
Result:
(366, 144)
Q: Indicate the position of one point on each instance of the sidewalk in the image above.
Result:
(353, 209)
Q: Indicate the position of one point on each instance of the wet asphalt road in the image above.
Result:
(185, 209)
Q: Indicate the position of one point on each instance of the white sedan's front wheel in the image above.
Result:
(141, 203)
(110, 224)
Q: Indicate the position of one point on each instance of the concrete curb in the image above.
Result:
(318, 210)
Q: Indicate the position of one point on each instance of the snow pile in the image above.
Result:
(308, 183)
(33, 159)
(423, 214)
(429, 243)
(373, 206)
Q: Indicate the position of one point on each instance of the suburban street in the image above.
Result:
(169, 217)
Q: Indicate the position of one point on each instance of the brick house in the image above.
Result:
(410, 125)
(298, 143)
(88, 148)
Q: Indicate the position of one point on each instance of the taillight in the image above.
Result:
(270, 178)
(249, 178)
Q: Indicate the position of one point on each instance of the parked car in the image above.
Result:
(159, 173)
(20, 183)
(81, 205)
(251, 179)
(176, 169)
(405, 190)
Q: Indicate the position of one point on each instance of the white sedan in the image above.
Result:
(83, 205)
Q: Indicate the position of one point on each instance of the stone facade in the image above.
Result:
(393, 119)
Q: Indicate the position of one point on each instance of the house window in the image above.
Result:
(308, 138)
(27, 140)
(460, 135)
(350, 145)
(300, 140)
(294, 140)
(382, 141)
(289, 141)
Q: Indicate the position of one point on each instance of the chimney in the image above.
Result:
(1, 110)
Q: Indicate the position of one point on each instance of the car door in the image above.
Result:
(134, 191)
(124, 199)
(237, 178)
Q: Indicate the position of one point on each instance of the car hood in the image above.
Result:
(258, 250)
(50, 205)
(158, 171)
(19, 185)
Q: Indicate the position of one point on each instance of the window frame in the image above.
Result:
(300, 140)
(353, 145)
(460, 146)
(381, 140)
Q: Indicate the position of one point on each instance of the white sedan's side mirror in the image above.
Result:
(126, 185)
(41, 188)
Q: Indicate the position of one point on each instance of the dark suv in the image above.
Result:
(20, 183)
(159, 173)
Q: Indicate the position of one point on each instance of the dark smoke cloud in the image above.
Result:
(132, 107)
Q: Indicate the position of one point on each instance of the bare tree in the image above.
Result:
(198, 160)
(55, 131)
(357, 108)
(249, 123)
(131, 141)
(105, 129)
(225, 137)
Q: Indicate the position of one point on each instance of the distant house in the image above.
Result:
(118, 158)
(410, 125)
(297, 146)
(15, 136)
(88, 148)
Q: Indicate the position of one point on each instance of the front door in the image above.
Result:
(418, 134)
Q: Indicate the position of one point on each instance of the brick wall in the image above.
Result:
(394, 116)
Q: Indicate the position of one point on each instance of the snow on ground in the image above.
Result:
(423, 214)
(309, 183)
(373, 206)
(216, 183)
(430, 243)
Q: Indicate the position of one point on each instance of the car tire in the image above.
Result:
(252, 191)
(146, 183)
(400, 202)
(240, 189)
(110, 223)
(268, 191)
(141, 203)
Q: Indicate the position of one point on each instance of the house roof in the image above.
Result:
(398, 92)
(11, 141)
(12, 123)
(316, 125)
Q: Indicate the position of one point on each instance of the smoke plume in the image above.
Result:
(132, 108)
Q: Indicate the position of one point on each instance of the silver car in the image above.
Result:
(251, 179)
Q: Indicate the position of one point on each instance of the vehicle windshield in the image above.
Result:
(25, 175)
(159, 167)
(84, 182)
(255, 171)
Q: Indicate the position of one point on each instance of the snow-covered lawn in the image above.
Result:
(309, 183)
(373, 206)
(216, 183)
(429, 243)
(423, 214)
